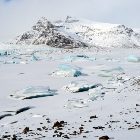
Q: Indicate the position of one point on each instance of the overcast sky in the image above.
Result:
(17, 16)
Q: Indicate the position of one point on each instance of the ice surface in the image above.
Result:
(133, 58)
(79, 86)
(110, 59)
(32, 92)
(34, 58)
(111, 72)
(92, 58)
(95, 94)
(69, 58)
(74, 103)
(10, 62)
(66, 70)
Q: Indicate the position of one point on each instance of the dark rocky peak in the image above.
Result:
(43, 23)
(71, 19)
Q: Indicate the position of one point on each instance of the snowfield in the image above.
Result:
(106, 101)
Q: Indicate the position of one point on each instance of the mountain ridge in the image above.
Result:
(75, 32)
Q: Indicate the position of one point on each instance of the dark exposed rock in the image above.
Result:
(26, 129)
(93, 117)
(98, 127)
(44, 33)
(104, 138)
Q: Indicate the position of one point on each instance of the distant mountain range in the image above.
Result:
(75, 32)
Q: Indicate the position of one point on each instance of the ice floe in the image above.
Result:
(34, 58)
(111, 72)
(74, 103)
(32, 92)
(66, 70)
(79, 86)
(133, 58)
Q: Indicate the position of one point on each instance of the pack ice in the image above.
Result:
(32, 92)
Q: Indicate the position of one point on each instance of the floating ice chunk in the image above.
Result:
(110, 59)
(48, 58)
(13, 62)
(79, 86)
(17, 57)
(111, 72)
(10, 62)
(95, 94)
(34, 58)
(81, 56)
(22, 62)
(74, 103)
(66, 70)
(69, 58)
(133, 58)
(3, 53)
(92, 58)
(32, 92)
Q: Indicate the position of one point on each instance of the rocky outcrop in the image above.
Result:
(44, 33)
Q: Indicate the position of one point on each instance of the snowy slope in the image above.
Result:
(44, 33)
(101, 34)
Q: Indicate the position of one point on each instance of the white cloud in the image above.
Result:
(19, 15)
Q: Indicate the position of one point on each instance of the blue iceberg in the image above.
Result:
(133, 58)
(32, 92)
(79, 86)
(111, 72)
(69, 58)
(92, 58)
(74, 103)
(66, 70)
(34, 58)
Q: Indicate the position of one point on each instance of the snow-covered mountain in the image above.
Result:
(75, 32)
(44, 33)
(101, 34)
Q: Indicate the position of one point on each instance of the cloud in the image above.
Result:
(20, 15)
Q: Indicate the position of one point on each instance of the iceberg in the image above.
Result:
(133, 58)
(74, 103)
(92, 58)
(32, 92)
(66, 70)
(13, 62)
(3, 53)
(10, 62)
(81, 56)
(111, 72)
(110, 59)
(79, 86)
(48, 58)
(34, 58)
(69, 58)
(95, 94)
